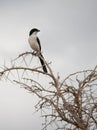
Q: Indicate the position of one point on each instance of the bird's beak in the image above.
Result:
(38, 30)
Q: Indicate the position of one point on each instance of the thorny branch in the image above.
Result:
(69, 104)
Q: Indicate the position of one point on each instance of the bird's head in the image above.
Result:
(34, 31)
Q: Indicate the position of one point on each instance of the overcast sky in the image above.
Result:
(68, 35)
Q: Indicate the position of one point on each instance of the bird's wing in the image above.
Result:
(39, 43)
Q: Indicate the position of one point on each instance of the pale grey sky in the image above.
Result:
(68, 38)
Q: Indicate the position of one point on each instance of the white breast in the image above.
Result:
(33, 42)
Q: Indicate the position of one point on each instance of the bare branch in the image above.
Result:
(69, 104)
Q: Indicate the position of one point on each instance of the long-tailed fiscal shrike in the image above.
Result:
(36, 46)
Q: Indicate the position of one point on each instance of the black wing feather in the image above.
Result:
(39, 43)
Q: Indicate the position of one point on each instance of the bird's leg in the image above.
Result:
(34, 53)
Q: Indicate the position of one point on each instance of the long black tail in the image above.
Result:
(41, 58)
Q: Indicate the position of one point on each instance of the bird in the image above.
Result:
(36, 46)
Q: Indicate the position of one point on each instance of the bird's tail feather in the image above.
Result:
(41, 58)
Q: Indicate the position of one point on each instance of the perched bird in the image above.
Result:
(36, 46)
